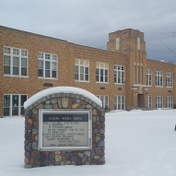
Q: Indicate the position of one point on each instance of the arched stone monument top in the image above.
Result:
(64, 126)
(62, 89)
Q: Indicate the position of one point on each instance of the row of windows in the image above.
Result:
(159, 79)
(159, 102)
(16, 64)
(82, 72)
(13, 103)
(119, 102)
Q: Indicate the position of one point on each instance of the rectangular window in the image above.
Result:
(169, 102)
(102, 72)
(47, 65)
(119, 74)
(15, 62)
(159, 102)
(169, 80)
(159, 79)
(105, 101)
(149, 78)
(119, 102)
(149, 102)
(81, 70)
(13, 104)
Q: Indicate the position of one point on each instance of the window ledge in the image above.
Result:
(15, 76)
(82, 81)
(48, 78)
(159, 86)
(120, 84)
(102, 82)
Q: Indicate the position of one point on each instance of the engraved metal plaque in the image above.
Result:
(65, 130)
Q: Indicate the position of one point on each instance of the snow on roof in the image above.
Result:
(62, 89)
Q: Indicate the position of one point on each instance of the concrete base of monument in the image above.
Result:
(64, 126)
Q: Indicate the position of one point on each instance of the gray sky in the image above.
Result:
(88, 22)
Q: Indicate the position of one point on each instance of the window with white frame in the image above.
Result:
(159, 101)
(81, 70)
(102, 71)
(15, 62)
(169, 102)
(169, 80)
(105, 101)
(119, 102)
(119, 74)
(149, 102)
(47, 65)
(159, 79)
(13, 104)
(149, 78)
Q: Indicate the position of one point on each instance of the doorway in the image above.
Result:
(140, 100)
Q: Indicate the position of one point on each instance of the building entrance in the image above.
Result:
(140, 100)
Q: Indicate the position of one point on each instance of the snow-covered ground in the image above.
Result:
(138, 143)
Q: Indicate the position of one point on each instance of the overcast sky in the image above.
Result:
(88, 22)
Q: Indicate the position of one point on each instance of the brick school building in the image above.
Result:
(121, 76)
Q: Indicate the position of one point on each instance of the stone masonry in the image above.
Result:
(36, 158)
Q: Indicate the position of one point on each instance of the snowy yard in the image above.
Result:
(138, 143)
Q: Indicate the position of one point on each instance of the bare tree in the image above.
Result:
(172, 34)
(170, 50)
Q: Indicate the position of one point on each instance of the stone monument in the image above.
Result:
(64, 126)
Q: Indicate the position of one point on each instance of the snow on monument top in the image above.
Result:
(62, 89)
